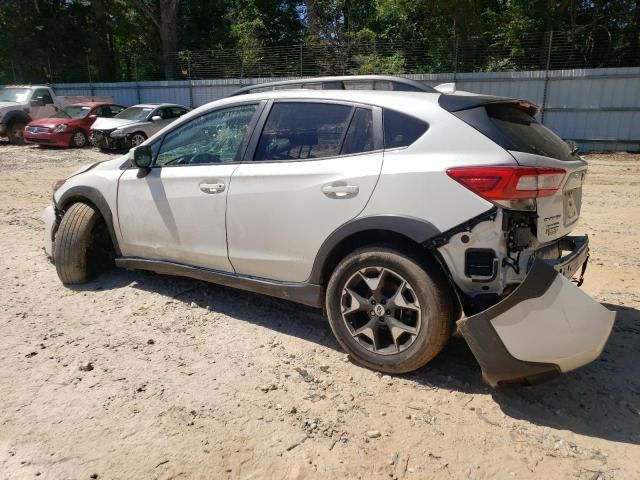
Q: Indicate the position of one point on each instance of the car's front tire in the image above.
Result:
(15, 132)
(388, 311)
(136, 139)
(82, 246)
(79, 139)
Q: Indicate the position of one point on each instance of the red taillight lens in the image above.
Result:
(509, 183)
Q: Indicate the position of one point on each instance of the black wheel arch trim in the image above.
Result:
(416, 229)
(83, 193)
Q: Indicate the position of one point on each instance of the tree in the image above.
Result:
(166, 25)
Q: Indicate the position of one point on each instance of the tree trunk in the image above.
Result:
(166, 26)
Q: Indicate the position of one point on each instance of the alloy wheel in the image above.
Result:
(137, 139)
(79, 139)
(381, 310)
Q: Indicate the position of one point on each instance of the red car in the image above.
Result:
(70, 126)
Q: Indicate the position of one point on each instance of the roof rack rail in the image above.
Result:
(347, 82)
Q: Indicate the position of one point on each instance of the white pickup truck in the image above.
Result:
(20, 104)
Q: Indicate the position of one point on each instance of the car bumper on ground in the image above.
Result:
(545, 326)
(48, 138)
(50, 223)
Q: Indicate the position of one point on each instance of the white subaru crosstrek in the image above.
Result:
(404, 215)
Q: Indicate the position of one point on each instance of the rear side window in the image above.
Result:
(521, 132)
(359, 137)
(401, 130)
(299, 130)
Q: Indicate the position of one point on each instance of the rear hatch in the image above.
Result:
(512, 124)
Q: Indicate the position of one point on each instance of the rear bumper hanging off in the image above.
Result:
(546, 326)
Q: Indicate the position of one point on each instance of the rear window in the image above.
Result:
(401, 130)
(515, 129)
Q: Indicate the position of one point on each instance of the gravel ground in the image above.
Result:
(140, 376)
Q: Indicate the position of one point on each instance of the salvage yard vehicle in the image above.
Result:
(134, 125)
(20, 104)
(403, 215)
(70, 126)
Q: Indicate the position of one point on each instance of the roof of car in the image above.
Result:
(409, 102)
(92, 104)
(344, 82)
(156, 105)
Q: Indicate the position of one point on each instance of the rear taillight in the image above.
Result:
(498, 183)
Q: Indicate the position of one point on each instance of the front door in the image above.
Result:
(315, 167)
(42, 105)
(177, 212)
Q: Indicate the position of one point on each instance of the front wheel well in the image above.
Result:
(69, 202)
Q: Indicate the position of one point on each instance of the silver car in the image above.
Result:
(134, 125)
(405, 216)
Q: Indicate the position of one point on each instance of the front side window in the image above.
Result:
(177, 112)
(44, 96)
(298, 130)
(215, 137)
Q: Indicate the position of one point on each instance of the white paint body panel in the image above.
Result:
(166, 216)
(565, 326)
(414, 181)
(278, 216)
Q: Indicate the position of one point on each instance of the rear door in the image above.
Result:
(315, 166)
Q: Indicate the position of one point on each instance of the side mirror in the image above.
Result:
(93, 115)
(37, 102)
(142, 157)
(156, 118)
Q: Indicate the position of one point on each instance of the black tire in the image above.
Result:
(79, 139)
(433, 301)
(82, 247)
(14, 132)
(136, 139)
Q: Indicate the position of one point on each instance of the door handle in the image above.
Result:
(212, 187)
(340, 190)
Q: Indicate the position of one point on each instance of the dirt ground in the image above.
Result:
(191, 380)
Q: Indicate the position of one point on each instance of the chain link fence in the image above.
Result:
(548, 51)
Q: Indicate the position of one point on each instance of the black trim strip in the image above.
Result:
(305, 293)
(416, 229)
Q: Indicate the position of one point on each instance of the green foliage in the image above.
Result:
(106, 40)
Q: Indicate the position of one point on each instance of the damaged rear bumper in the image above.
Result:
(544, 327)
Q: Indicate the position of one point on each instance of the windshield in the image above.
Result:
(11, 94)
(72, 112)
(135, 113)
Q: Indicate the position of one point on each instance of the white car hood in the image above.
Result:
(10, 106)
(111, 123)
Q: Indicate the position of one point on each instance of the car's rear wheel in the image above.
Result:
(82, 247)
(79, 139)
(388, 311)
(137, 138)
(15, 131)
